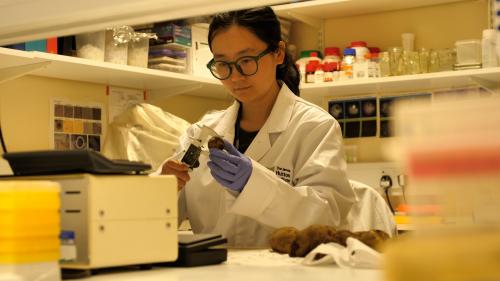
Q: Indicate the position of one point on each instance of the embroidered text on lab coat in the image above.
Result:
(284, 174)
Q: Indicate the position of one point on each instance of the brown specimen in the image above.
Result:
(216, 142)
(288, 240)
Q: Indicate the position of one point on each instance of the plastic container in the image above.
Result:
(348, 64)
(328, 68)
(384, 64)
(169, 57)
(305, 58)
(116, 51)
(319, 74)
(29, 230)
(138, 48)
(361, 49)
(138, 53)
(374, 65)
(310, 70)
(91, 45)
(468, 52)
(488, 48)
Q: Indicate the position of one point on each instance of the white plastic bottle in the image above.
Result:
(488, 46)
(319, 74)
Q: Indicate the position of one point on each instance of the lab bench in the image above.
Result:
(242, 265)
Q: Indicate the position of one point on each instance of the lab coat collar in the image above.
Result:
(281, 113)
(276, 123)
(225, 126)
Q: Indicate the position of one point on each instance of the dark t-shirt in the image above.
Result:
(243, 139)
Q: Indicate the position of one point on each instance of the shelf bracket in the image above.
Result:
(13, 72)
(492, 86)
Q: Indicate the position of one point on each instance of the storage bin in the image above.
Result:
(468, 52)
(116, 50)
(168, 57)
(138, 48)
(91, 45)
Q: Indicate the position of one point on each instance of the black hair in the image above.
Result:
(266, 26)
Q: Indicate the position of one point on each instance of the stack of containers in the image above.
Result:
(453, 164)
(170, 51)
(29, 230)
(332, 58)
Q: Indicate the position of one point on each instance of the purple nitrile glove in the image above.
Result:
(230, 168)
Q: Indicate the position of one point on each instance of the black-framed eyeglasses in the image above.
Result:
(247, 66)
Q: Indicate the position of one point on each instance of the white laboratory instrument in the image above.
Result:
(116, 220)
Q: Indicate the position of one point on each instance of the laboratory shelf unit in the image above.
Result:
(486, 77)
(14, 63)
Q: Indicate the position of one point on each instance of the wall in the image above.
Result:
(25, 107)
(436, 26)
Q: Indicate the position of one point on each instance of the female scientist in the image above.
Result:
(283, 162)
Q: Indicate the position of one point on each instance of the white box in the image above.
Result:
(200, 53)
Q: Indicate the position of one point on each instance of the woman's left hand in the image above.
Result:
(230, 168)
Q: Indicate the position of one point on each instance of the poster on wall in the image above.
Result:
(121, 99)
(76, 126)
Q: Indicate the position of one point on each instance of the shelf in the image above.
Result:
(488, 77)
(26, 20)
(77, 69)
(326, 9)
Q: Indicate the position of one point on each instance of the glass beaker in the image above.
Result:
(395, 54)
(433, 61)
(385, 65)
(446, 59)
(412, 63)
(424, 60)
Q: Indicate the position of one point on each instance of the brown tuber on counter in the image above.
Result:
(288, 240)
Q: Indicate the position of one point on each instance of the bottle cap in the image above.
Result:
(349, 52)
(358, 44)
(332, 51)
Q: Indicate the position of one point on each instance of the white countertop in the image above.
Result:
(245, 265)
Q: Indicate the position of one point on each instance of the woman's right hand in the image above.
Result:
(178, 169)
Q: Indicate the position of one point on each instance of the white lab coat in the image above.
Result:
(298, 176)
